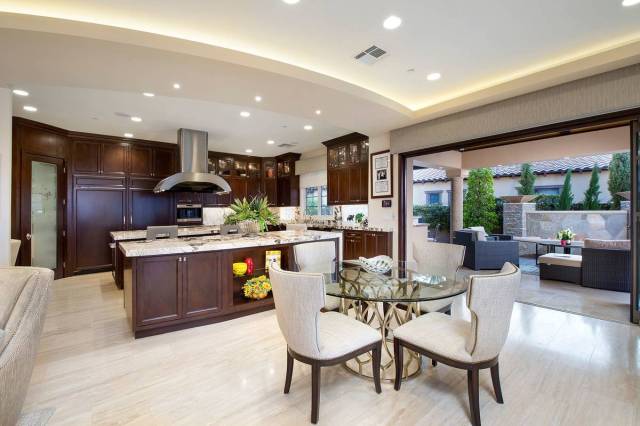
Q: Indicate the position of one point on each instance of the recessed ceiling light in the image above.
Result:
(392, 22)
(149, 94)
(434, 76)
(176, 85)
(248, 151)
(258, 98)
(628, 3)
(291, 1)
(271, 142)
(308, 127)
(128, 135)
(245, 114)
(29, 108)
(20, 92)
(318, 111)
(136, 119)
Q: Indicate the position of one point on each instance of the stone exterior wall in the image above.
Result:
(514, 223)
(606, 225)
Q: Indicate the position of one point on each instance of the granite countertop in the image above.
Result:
(347, 227)
(183, 231)
(221, 242)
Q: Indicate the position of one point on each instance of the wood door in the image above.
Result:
(42, 199)
(355, 185)
(158, 289)
(284, 191)
(294, 191)
(204, 279)
(97, 210)
(364, 182)
(140, 161)
(238, 187)
(164, 162)
(113, 159)
(147, 208)
(86, 157)
(343, 187)
(271, 191)
(333, 186)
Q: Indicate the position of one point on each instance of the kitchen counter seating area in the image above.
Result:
(178, 283)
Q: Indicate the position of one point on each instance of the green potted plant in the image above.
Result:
(565, 236)
(256, 210)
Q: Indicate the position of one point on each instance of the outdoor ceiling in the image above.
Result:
(300, 57)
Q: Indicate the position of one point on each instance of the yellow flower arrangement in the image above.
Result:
(257, 288)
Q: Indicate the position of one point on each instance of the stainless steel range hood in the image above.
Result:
(194, 173)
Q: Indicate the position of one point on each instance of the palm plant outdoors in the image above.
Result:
(256, 210)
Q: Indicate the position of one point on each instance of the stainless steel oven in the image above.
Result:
(189, 214)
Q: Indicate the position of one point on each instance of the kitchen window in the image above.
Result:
(315, 201)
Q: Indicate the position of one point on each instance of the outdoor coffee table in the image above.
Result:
(550, 244)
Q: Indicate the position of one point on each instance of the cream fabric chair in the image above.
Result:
(15, 248)
(318, 257)
(438, 259)
(296, 226)
(24, 294)
(467, 345)
(314, 337)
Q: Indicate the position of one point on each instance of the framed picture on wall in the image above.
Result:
(381, 174)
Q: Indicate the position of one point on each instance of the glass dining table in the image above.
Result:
(385, 301)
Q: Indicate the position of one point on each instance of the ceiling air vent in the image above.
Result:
(370, 55)
(287, 145)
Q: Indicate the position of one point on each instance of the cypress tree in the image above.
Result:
(566, 196)
(619, 177)
(593, 191)
(527, 180)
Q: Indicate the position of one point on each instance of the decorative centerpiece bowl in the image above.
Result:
(257, 288)
(239, 269)
(377, 265)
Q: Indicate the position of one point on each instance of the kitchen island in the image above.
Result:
(178, 283)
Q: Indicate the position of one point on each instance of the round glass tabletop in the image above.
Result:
(399, 284)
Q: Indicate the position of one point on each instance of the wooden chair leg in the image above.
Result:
(495, 378)
(473, 385)
(287, 381)
(434, 363)
(377, 358)
(315, 392)
(397, 355)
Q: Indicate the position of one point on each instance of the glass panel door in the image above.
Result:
(44, 214)
(635, 219)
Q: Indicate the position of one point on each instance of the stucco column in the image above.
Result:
(5, 174)
(457, 200)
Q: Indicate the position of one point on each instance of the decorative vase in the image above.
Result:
(565, 243)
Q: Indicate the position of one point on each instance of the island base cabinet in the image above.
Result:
(158, 290)
(203, 283)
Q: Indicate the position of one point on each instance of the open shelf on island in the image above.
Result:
(238, 293)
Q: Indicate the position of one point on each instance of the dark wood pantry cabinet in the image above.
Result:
(348, 169)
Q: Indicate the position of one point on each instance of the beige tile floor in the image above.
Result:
(557, 369)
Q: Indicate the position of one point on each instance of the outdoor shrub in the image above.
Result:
(500, 213)
(566, 196)
(593, 191)
(433, 215)
(527, 180)
(480, 201)
(548, 202)
(619, 177)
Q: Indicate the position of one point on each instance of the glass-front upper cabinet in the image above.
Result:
(364, 151)
(284, 168)
(342, 156)
(240, 167)
(253, 169)
(269, 169)
(212, 163)
(225, 165)
(354, 153)
(333, 157)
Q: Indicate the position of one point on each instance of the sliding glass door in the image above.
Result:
(635, 219)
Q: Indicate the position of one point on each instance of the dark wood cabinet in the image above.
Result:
(348, 169)
(287, 183)
(86, 157)
(113, 158)
(238, 187)
(366, 243)
(158, 290)
(254, 187)
(147, 208)
(99, 208)
(188, 197)
(164, 162)
(204, 276)
(141, 161)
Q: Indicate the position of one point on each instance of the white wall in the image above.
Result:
(5, 174)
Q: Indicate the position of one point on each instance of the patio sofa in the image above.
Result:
(606, 264)
(24, 293)
(487, 251)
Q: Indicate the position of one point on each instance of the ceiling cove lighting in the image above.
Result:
(248, 150)
(628, 3)
(30, 108)
(149, 94)
(270, 142)
(258, 98)
(308, 127)
(128, 135)
(176, 85)
(136, 119)
(434, 76)
(392, 22)
(20, 92)
(245, 114)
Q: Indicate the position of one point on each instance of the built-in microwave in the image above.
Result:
(189, 214)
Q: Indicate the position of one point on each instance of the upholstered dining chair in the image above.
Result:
(318, 257)
(318, 338)
(438, 259)
(471, 346)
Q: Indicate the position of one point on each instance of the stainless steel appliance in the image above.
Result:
(189, 214)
